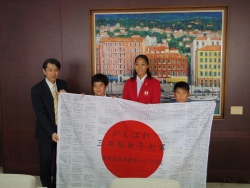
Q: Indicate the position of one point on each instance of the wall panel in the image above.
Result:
(75, 45)
(21, 150)
(32, 31)
(160, 3)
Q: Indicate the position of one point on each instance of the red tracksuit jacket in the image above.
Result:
(150, 92)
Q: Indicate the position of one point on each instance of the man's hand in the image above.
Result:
(55, 137)
(61, 91)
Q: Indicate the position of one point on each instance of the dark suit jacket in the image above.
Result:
(150, 92)
(43, 104)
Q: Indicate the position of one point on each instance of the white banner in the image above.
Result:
(101, 138)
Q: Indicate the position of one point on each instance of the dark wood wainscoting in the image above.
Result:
(229, 156)
(20, 150)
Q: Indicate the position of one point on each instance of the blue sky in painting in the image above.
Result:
(162, 16)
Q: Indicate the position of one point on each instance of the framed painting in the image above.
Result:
(182, 44)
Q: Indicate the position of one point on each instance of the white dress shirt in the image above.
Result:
(139, 83)
(51, 85)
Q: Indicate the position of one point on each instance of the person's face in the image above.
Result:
(181, 95)
(99, 88)
(51, 72)
(141, 67)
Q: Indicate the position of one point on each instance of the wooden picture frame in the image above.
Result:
(182, 43)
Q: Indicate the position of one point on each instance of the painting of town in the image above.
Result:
(181, 46)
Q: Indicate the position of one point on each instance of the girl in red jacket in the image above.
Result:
(142, 87)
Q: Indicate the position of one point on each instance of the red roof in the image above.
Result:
(156, 48)
(210, 48)
(166, 55)
(135, 39)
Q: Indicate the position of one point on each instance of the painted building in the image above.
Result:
(168, 67)
(209, 66)
(151, 41)
(156, 49)
(198, 43)
(116, 55)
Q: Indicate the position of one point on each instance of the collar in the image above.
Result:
(137, 78)
(49, 83)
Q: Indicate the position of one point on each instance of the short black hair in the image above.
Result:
(52, 61)
(100, 78)
(181, 85)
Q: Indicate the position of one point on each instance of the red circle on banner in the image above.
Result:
(131, 149)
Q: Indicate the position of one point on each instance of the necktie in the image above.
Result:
(55, 103)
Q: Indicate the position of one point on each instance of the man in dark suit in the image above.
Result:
(44, 100)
